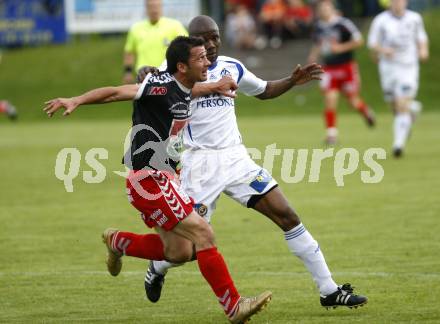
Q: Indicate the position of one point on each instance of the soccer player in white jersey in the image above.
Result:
(216, 161)
(398, 38)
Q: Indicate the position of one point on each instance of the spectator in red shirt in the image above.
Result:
(298, 18)
(271, 17)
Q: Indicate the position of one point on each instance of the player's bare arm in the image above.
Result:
(300, 75)
(423, 51)
(129, 61)
(95, 96)
(314, 53)
(226, 86)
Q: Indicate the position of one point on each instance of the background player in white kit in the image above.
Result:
(216, 161)
(398, 38)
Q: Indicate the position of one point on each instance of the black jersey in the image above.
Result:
(161, 109)
(340, 30)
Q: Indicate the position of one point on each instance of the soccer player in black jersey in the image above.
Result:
(335, 39)
(161, 107)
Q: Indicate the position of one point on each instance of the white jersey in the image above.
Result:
(213, 124)
(403, 34)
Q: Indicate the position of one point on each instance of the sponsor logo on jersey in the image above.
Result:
(225, 72)
(215, 102)
(180, 110)
(212, 77)
(157, 91)
(162, 77)
(261, 180)
(201, 209)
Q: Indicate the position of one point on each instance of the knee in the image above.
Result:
(179, 254)
(205, 236)
(354, 101)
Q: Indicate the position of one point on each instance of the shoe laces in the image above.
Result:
(347, 288)
(152, 276)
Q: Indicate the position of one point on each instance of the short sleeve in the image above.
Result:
(130, 46)
(373, 34)
(352, 29)
(144, 88)
(421, 35)
(249, 83)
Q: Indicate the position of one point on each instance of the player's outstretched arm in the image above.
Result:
(299, 76)
(226, 86)
(95, 96)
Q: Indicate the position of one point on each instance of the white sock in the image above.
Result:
(332, 132)
(161, 267)
(402, 126)
(302, 244)
(415, 107)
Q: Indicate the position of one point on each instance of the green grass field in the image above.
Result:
(383, 238)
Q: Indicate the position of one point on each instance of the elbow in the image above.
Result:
(263, 96)
(267, 93)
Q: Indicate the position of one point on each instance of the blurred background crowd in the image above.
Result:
(257, 24)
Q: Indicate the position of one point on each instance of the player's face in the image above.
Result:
(325, 10)
(198, 64)
(212, 44)
(154, 9)
(398, 6)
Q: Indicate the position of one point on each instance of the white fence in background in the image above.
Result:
(107, 16)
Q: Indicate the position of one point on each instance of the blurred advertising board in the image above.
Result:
(107, 16)
(31, 22)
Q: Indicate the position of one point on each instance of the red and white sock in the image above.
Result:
(363, 108)
(214, 270)
(330, 118)
(330, 123)
(3, 106)
(146, 246)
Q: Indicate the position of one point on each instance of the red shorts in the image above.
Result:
(343, 77)
(159, 199)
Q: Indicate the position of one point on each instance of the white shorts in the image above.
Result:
(206, 174)
(399, 80)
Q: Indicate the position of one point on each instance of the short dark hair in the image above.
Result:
(179, 51)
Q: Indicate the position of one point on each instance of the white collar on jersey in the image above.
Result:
(181, 86)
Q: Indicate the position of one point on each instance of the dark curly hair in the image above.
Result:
(179, 51)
